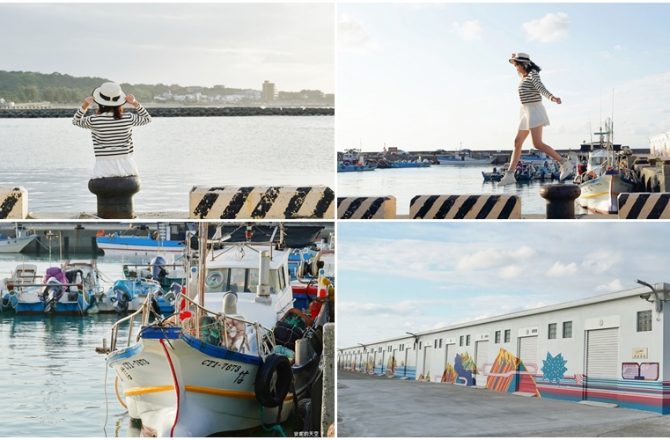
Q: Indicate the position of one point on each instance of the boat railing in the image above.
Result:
(264, 337)
(144, 312)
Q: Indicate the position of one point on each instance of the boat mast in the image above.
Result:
(202, 264)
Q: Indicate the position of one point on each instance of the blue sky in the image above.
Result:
(395, 277)
(435, 75)
(238, 45)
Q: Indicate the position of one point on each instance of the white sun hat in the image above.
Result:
(110, 95)
(520, 57)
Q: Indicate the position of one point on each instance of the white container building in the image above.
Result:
(609, 348)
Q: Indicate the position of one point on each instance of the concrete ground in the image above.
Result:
(372, 406)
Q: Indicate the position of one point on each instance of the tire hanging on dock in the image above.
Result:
(273, 381)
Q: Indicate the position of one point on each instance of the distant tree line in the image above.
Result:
(59, 88)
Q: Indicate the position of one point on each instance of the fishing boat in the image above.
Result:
(18, 243)
(59, 292)
(23, 273)
(492, 176)
(156, 243)
(403, 164)
(352, 160)
(216, 365)
(128, 295)
(464, 157)
(605, 176)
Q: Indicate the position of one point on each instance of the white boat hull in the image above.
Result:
(15, 245)
(147, 384)
(177, 390)
(218, 395)
(600, 194)
(138, 251)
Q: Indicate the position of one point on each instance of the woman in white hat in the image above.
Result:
(533, 116)
(111, 130)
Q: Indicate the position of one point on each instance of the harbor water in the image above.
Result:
(53, 159)
(406, 183)
(53, 380)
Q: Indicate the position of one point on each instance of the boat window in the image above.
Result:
(274, 281)
(239, 280)
(282, 279)
(252, 281)
(216, 280)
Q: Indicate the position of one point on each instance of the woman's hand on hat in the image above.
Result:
(556, 99)
(87, 102)
(130, 99)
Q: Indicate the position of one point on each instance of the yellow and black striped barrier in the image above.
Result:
(489, 206)
(644, 205)
(13, 203)
(366, 207)
(261, 202)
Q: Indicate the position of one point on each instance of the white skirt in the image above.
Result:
(115, 166)
(533, 115)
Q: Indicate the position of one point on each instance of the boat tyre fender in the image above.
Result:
(273, 381)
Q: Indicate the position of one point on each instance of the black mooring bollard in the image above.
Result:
(115, 195)
(560, 199)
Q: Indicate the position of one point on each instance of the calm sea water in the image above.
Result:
(52, 158)
(409, 182)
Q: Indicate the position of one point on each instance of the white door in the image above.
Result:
(481, 358)
(436, 364)
(528, 353)
(410, 361)
(602, 355)
(425, 370)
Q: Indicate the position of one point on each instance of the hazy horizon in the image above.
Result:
(236, 45)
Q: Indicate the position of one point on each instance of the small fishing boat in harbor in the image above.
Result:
(352, 160)
(234, 355)
(59, 292)
(23, 273)
(18, 243)
(151, 244)
(605, 176)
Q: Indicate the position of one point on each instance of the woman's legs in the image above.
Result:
(536, 136)
(518, 144)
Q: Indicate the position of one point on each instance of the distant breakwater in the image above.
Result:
(174, 112)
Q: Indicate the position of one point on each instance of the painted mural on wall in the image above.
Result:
(449, 374)
(390, 366)
(465, 369)
(370, 366)
(554, 368)
(509, 374)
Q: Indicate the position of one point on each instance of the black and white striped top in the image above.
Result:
(531, 89)
(112, 137)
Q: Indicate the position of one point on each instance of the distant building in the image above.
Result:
(268, 91)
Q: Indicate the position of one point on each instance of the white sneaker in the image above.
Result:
(508, 178)
(567, 168)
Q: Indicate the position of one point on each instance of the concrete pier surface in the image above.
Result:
(376, 406)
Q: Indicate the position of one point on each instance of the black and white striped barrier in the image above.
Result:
(490, 206)
(644, 205)
(366, 207)
(261, 202)
(13, 203)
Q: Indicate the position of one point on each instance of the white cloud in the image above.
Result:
(612, 286)
(353, 36)
(469, 30)
(551, 28)
(489, 258)
(559, 269)
(509, 272)
(601, 261)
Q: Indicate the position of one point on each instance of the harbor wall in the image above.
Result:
(171, 112)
